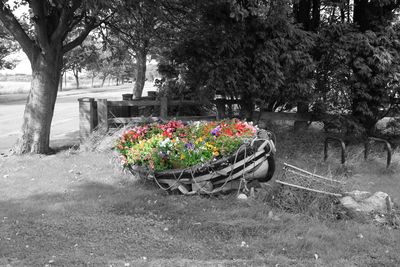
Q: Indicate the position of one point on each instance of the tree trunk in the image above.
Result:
(369, 119)
(302, 14)
(342, 15)
(103, 80)
(316, 11)
(246, 107)
(39, 109)
(76, 75)
(60, 84)
(141, 56)
(360, 16)
(302, 107)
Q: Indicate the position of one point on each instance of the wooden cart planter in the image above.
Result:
(254, 160)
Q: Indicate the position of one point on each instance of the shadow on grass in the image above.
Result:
(99, 223)
(69, 141)
(79, 227)
(95, 223)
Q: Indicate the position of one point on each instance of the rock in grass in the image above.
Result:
(359, 195)
(378, 202)
(242, 196)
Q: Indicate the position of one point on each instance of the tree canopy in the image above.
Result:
(337, 56)
(334, 56)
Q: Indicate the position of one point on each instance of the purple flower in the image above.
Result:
(189, 146)
(216, 131)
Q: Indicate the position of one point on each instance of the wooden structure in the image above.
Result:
(102, 113)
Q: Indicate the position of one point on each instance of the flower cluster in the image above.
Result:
(175, 145)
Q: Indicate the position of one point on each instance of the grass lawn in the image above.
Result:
(78, 209)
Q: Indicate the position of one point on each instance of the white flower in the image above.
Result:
(165, 142)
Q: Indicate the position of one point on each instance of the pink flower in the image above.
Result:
(123, 160)
(151, 164)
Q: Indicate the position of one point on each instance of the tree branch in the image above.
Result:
(15, 28)
(61, 26)
(67, 14)
(38, 8)
(82, 36)
(75, 22)
(78, 40)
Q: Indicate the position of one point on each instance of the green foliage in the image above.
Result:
(108, 58)
(393, 126)
(258, 57)
(251, 50)
(7, 47)
(358, 72)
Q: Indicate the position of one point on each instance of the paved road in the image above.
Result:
(65, 124)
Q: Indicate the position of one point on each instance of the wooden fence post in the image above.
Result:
(102, 114)
(127, 111)
(164, 107)
(86, 117)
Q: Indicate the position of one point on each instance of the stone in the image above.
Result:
(378, 202)
(350, 203)
(359, 195)
(242, 196)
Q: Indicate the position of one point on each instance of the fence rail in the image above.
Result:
(100, 112)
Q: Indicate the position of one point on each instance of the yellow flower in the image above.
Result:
(141, 144)
(182, 157)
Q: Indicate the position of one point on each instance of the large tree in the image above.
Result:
(45, 42)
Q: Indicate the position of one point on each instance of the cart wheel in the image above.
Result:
(271, 170)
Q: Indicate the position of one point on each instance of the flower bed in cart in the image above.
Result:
(204, 157)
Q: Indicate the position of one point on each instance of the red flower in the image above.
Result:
(227, 131)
